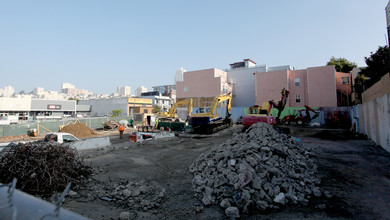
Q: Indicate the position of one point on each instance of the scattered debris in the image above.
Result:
(42, 168)
(138, 195)
(261, 169)
(111, 124)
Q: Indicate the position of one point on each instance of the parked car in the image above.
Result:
(60, 137)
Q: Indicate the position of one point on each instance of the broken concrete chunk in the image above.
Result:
(206, 200)
(143, 189)
(261, 205)
(124, 216)
(135, 192)
(244, 178)
(219, 181)
(316, 191)
(72, 193)
(265, 149)
(225, 203)
(127, 192)
(232, 212)
(280, 198)
(257, 183)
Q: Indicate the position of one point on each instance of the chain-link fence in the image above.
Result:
(16, 205)
(53, 125)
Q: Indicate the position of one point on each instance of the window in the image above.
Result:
(68, 138)
(345, 80)
(145, 111)
(185, 89)
(298, 98)
(297, 81)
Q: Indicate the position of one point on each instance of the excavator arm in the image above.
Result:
(219, 99)
(187, 103)
(172, 110)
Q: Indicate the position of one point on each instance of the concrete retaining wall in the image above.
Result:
(374, 120)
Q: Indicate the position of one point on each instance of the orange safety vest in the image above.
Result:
(121, 128)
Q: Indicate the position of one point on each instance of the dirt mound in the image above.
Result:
(79, 130)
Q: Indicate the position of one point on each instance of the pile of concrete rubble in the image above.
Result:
(259, 170)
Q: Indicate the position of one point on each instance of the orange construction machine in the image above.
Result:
(263, 113)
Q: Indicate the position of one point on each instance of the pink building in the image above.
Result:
(203, 86)
(344, 89)
(314, 87)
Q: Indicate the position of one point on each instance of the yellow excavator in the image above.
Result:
(170, 115)
(210, 122)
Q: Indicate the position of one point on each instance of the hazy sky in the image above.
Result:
(98, 45)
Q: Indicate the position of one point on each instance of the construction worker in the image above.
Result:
(121, 130)
(156, 125)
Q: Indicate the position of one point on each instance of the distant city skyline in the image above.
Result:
(69, 90)
(99, 45)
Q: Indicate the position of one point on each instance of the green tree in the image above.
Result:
(359, 83)
(156, 109)
(378, 64)
(77, 100)
(342, 64)
(116, 113)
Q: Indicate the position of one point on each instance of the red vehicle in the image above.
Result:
(263, 113)
(299, 118)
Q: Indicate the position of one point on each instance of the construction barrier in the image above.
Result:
(373, 119)
(53, 125)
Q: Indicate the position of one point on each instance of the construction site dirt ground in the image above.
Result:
(354, 171)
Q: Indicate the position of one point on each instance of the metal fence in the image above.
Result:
(15, 205)
(53, 125)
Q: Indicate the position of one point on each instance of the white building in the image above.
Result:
(241, 77)
(179, 75)
(140, 90)
(123, 90)
(27, 108)
(8, 91)
(38, 91)
(164, 102)
(74, 92)
(65, 86)
(54, 95)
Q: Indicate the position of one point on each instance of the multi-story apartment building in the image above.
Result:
(8, 91)
(123, 90)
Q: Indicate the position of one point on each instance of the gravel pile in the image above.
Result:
(259, 170)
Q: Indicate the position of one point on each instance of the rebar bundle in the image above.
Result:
(42, 168)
